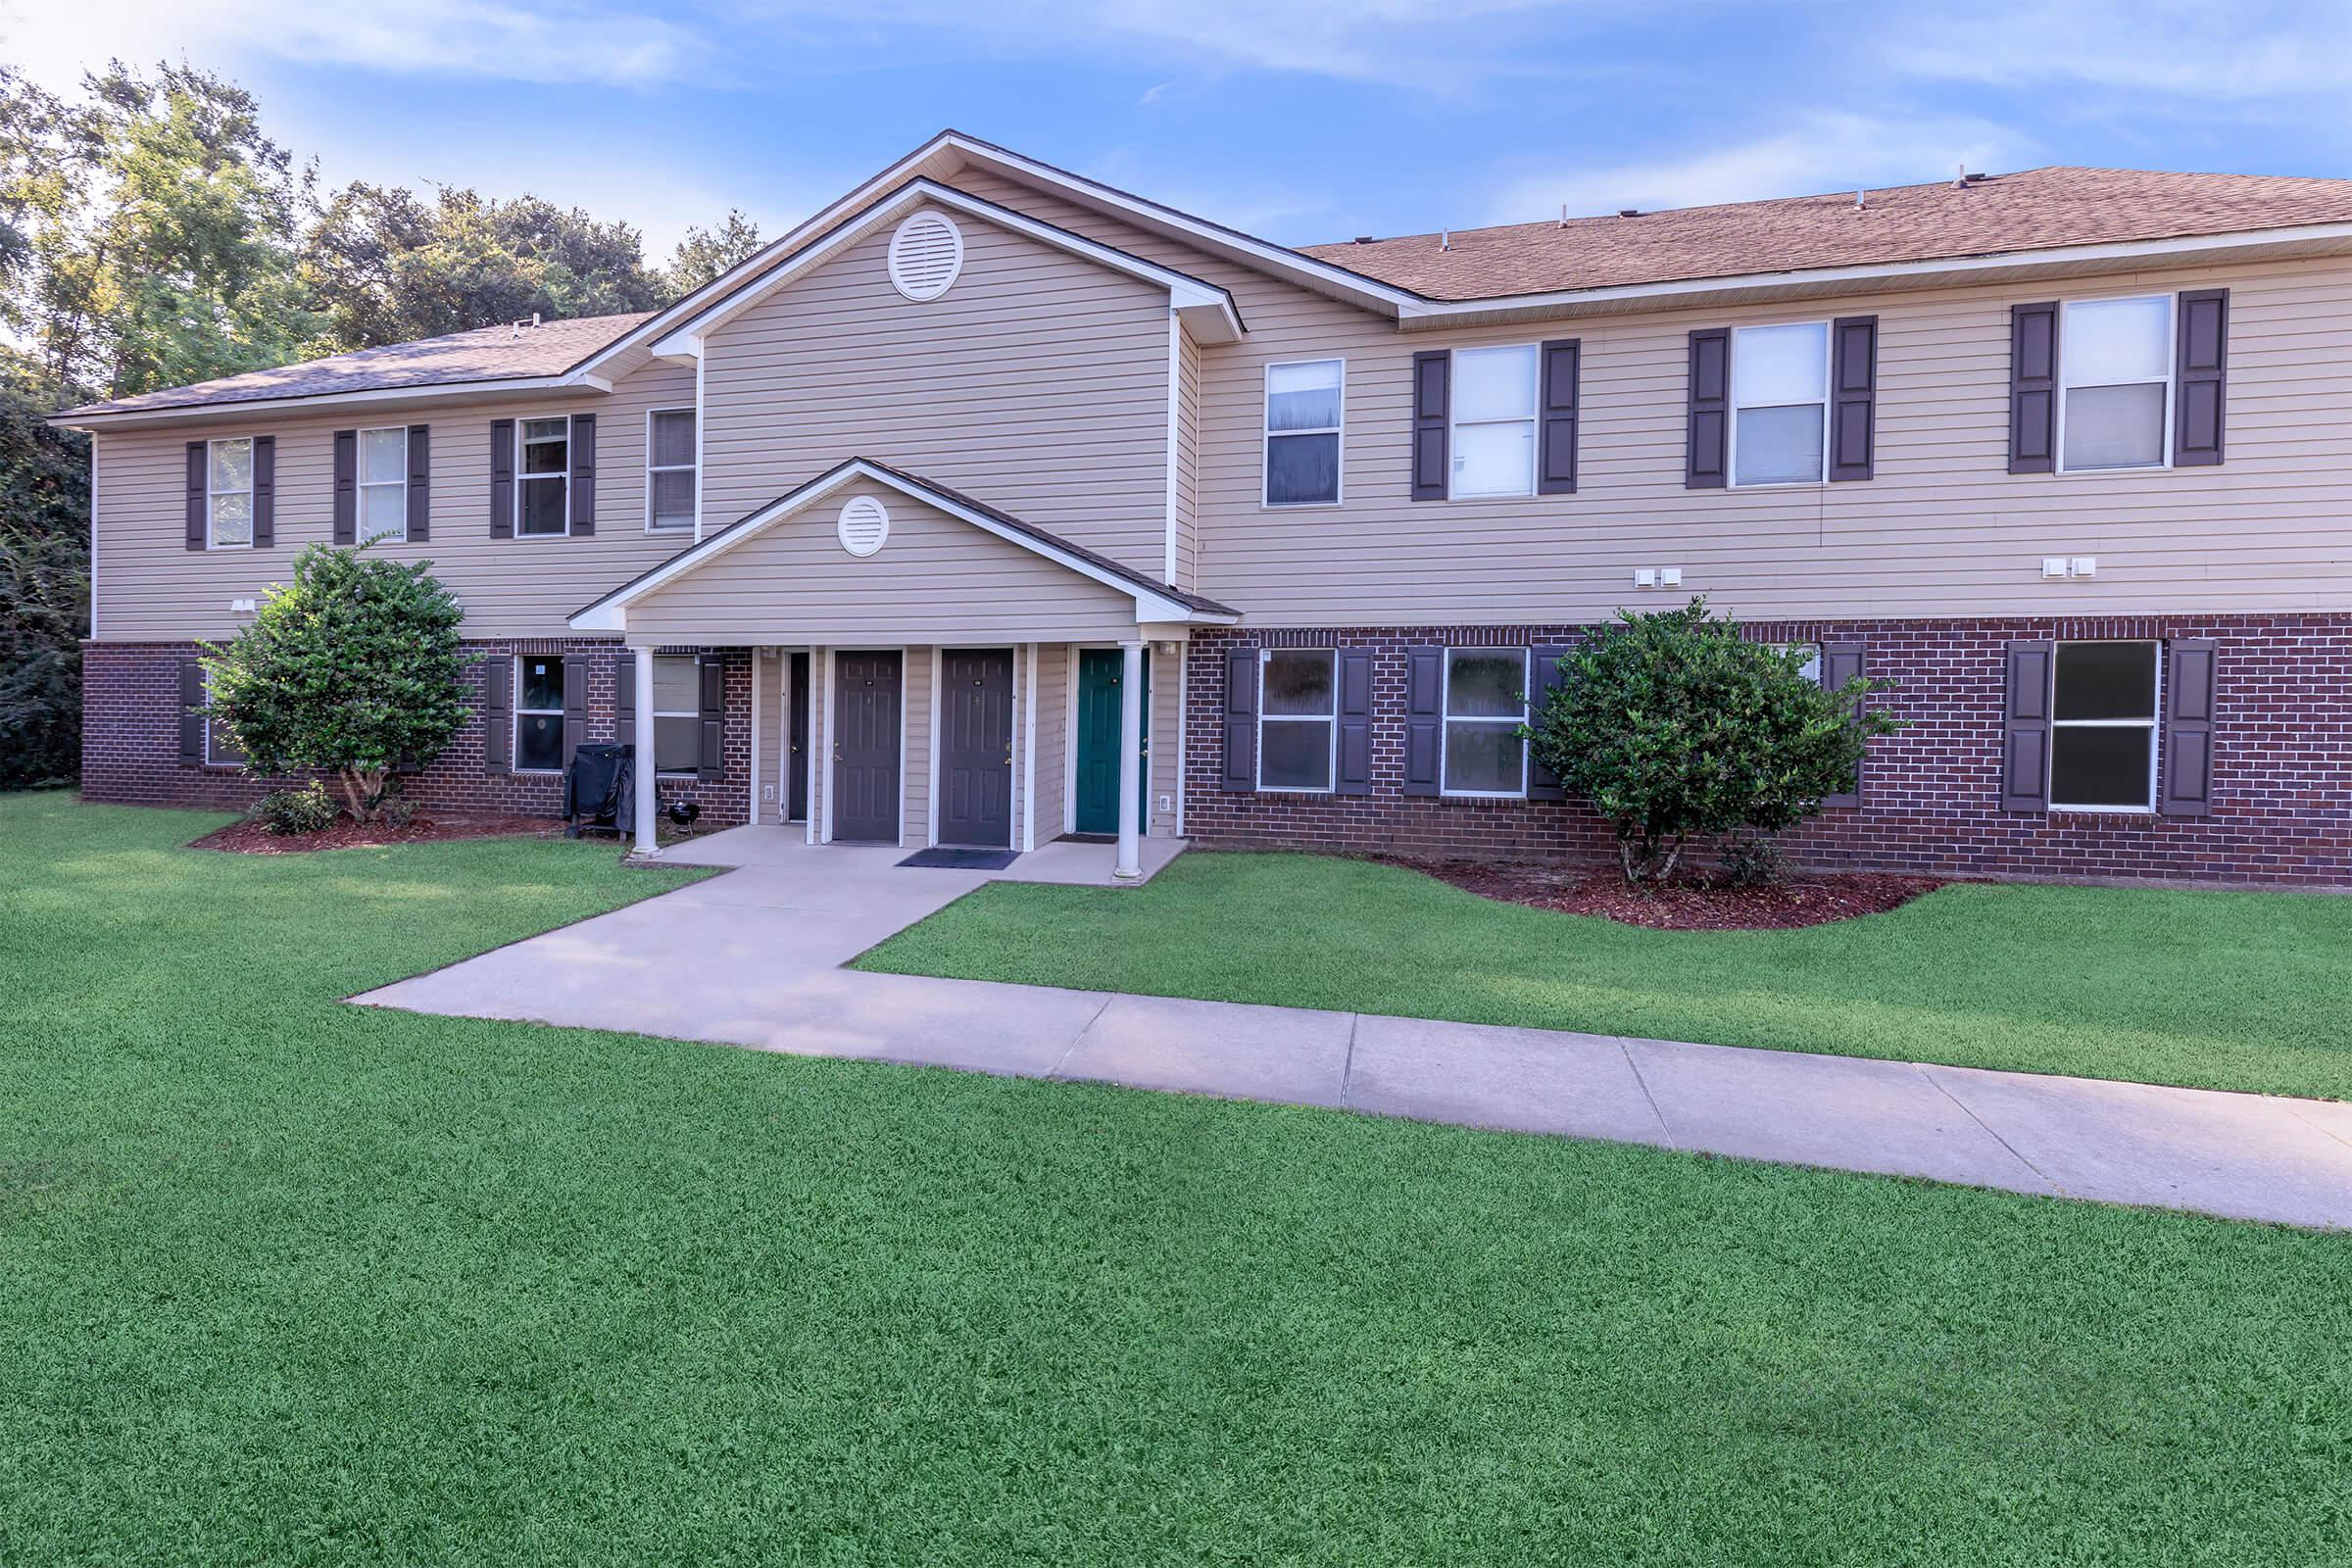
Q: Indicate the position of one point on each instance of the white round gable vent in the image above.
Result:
(925, 254)
(864, 524)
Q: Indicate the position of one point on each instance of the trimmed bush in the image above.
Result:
(302, 808)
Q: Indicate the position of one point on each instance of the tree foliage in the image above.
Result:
(707, 253)
(45, 582)
(1677, 727)
(350, 670)
(387, 265)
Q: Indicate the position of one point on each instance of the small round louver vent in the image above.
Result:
(925, 254)
(864, 524)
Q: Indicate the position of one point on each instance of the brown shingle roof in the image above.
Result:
(2036, 210)
(500, 352)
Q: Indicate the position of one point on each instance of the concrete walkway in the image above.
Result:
(754, 959)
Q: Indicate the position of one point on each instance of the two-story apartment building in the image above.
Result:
(993, 504)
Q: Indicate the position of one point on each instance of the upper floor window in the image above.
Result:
(1485, 703)
(670, 469)
(2115, 360)
(1305, 405)
(1298, 718)
(1780, 404)
(228, 498)
(384, 484)
(543, 478)
(1493, 417)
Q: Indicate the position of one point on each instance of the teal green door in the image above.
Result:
(1099, 676)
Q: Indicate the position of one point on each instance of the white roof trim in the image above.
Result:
(1437, 313)
(610, 613)
(239, 407)
(1207, 311)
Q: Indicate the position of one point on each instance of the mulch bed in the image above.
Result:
(1800, 900)
(252, 838)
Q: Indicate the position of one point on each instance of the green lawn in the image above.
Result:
(290, 1282)
(2248, 991)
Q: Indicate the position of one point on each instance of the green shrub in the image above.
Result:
(397, 808)
(302, 808)
(1675, 727)
(350, 670)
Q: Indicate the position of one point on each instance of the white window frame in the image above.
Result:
(695, 712)
(362, 483)
(1534, 420)
(1331, 771)
(1447, 718)
(521, 444)
(1267, 433)
(515, 717)
(1828, 350)
(2153, 724)
(212, 492)
(652, 467)
(2172, 377)
(210, 761)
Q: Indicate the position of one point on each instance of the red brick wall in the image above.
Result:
(130, 739)
(2282, 760)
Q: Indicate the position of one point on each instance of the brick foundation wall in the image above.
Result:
(130, 739)
(2281, 765)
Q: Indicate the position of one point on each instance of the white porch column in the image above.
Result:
(642, 779)
(1131, 772)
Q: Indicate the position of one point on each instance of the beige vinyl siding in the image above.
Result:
(1038, 385)
(914, 780)
(151, 588)
(1187, 464)
(1049, 811)
(1942, 529)
(1167, 750)
(937, 578)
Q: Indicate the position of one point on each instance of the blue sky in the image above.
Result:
(1299, 122)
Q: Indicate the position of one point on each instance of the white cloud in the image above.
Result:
(2244, 53)
(1823, 152)
(53, 41)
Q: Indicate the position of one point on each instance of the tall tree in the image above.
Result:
(44, 581)
(387, 265)
(706, 253)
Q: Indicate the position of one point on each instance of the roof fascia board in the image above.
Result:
(239, 407)
(1208, 310)
(610, 613)
(1428, 313)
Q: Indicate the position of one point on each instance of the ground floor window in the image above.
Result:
(1485, 703)
(219, 745)
(677, 713)
(1298, 718)
(539, 713)
(2104, 727)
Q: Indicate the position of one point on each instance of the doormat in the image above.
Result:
(1090, 838)
(963, 859)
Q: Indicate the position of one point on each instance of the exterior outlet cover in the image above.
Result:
(2087, 566)
(1670, 577)
(768, 791)
(1645, 576)
(1164, 803)
(2053, 566)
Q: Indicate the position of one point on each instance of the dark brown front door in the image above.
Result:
(796, 787)
(975, 747)
(866, 748)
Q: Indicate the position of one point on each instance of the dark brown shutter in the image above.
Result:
(2032, 389)
(1432, 395)
(1355, 722)
(583, 474)
(625, 696)
(421, 483)
(575, 706)
(1840, 663)
(1710, 395)
(498, 713)
(502, 478)
(1853, 395)
(265, 490)
(2204, 361)
(710, 761)
(1241, 719)
(192, 703)
(197, 534)
(347, 486)
(1555, 449)
(1424, 717)
(2026, 728)
(2187, 727)
(1544, 679)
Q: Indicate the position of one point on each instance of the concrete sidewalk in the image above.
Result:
(754, 959)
